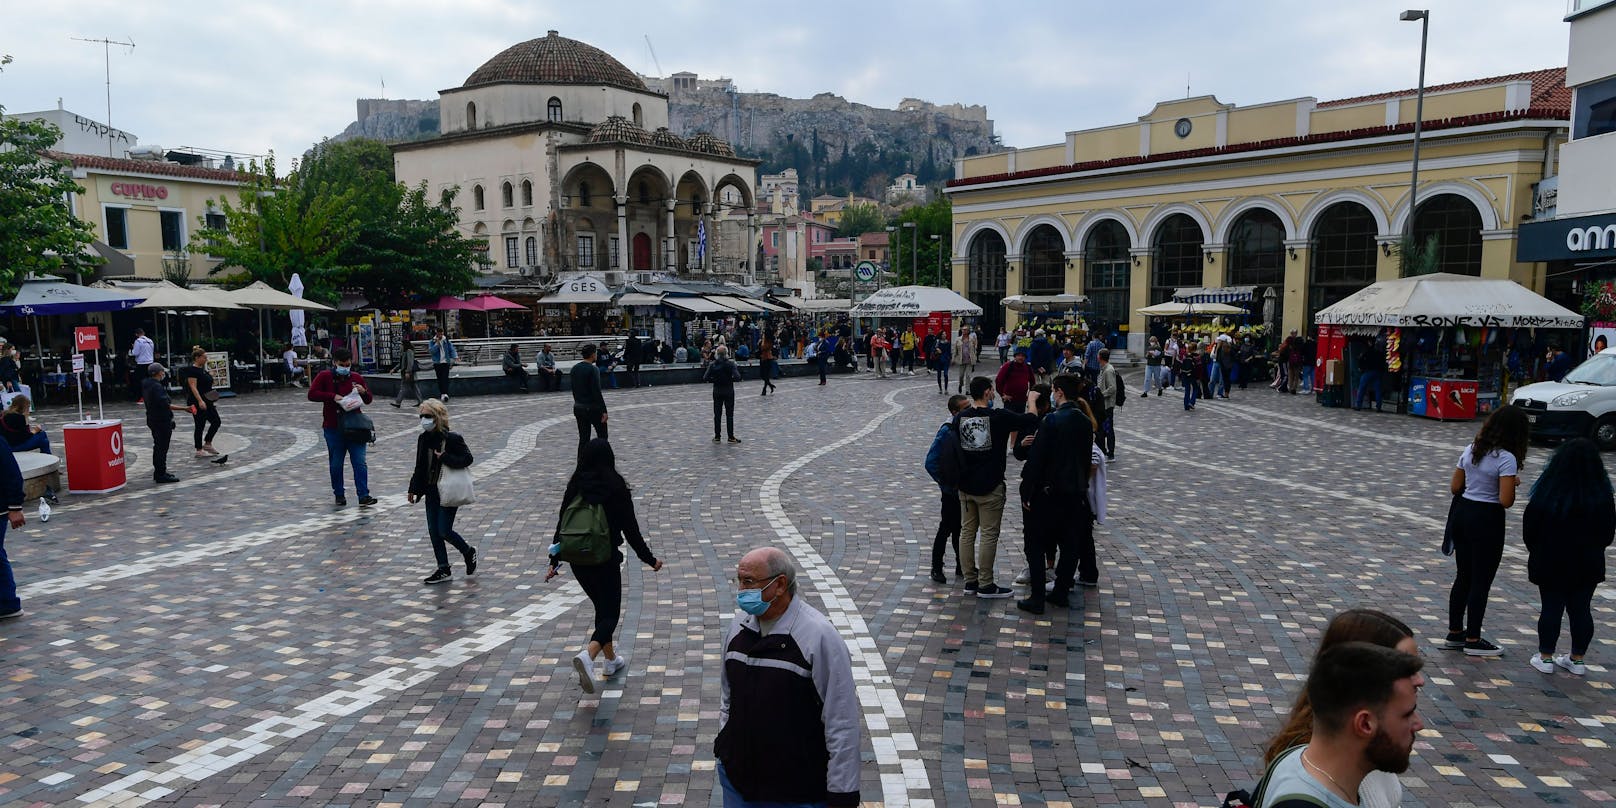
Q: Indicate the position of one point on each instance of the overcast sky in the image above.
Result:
(252, 75)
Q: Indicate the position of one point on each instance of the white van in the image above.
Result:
(1584, 404)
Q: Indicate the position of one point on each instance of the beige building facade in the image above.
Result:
(1297, 202)
(148, 211)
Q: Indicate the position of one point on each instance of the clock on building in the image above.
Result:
(1183, 127)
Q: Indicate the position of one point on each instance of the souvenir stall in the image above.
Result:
(580, 305)
(1454, 346)
(926, 309)
(1061, 312)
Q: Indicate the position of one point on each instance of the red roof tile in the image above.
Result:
(1548, 89)
(146, 167)
(875, 238)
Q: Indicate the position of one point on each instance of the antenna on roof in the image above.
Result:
(1186, 85)
(652, 49)
(106, 49)
(384, 87)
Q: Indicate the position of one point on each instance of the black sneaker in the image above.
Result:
(1030, 606)
(165, 478)
(1455, 641)
(342, 502)
(1058, 600)
(970, 587)
(439, 576)
(1481, 648)
(937, 575)
(367, 501)
(471, 562)
(1088, 583)
(993, 591)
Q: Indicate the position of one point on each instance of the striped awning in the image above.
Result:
(1215, 294)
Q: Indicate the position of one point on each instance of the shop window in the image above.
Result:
(615, 259)
(471, 115)
(554, 109)
(527, 193)
(985, 277)
(1107, 270)
(1257, 250)
(172, 223)
(1343, 255)
(532, 251)
(117, 227)
(1178, 259)
(586, 251)
(476, 197)
(1045, 266)
(1456, 224)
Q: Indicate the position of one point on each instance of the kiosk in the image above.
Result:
(95, 461)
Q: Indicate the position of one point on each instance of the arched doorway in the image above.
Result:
(1106, 273)
(1456, 225)
(642, 252)
(1343, 255)
(1177, 260)
(1257, 258)
(985, 279)
(1044, 262)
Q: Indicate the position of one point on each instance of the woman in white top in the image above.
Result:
(1483, 486)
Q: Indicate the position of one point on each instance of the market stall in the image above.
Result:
(580, 305)
(1453, 346)
(1062, 312)
(926, 309)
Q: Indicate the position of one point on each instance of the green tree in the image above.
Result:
(38, 233)
(858, 219)
(1415, 257)
(934, 218)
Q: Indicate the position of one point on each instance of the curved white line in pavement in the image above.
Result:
(884, 716)
(303, 440)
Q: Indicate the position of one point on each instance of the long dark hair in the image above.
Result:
(1352, 625)
(1507, 429)
(597, 468)
(1574, 481)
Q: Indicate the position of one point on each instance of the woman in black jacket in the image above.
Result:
(597, 482)
(436, 448)
(1567, 527)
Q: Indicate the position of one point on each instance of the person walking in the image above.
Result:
(11, 491)
(1371, 367)
(1483, 486)
(330, 387)
(944, 450)
(983, 433)
(1002, 342)
(1223, 363)
(549, 376)
(204, 402)
(1055, 476)
(1153, 368)
(1013, 381)
(511, 364)
(1091, 357)
(406, 370)
(1568, 526)
(588, 402)
(1112, 394)
(789, 720)
(964, 358)
(909, 342)
(443, 358)
(882, 349)
(768, 364)
(1172, 354)
(597, 486)
(1190, 370)
(633, 355)
(160, 411)
(437, 449)
(722, 374)
(816, 354)
(942, 354)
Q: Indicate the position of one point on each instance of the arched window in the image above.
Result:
(476, 197)
(1106, 270)
(639, 117)
(1456, 224)
(505, 195)
(1177, 260)
(1045, 262)
(471, 115)
(985, 277)
(583, 194)
(532, 251)
(1342, 259)
(1257, 250)
(527, 193)
(554, 108)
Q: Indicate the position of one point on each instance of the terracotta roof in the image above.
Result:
(706, 143)
(1549, 90)
(667, 139)
(874, 238)
(146, 167)
(554, 59)
(618, 129)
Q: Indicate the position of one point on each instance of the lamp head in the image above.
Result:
(1413, 15)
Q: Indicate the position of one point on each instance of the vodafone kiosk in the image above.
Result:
(94, 447)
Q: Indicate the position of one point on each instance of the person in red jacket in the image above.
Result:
(1013, 381)
(328, 387)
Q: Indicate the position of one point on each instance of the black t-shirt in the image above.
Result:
(204, 381)
(14, 425)
(157, 402)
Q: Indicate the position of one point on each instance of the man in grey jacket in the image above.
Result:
(789, 721)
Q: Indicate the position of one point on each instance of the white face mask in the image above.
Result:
(428, 423)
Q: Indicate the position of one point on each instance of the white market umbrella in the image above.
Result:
(1060, 302)
(263, 297)
(915, 301)
(1444, 299)
(1175, 309)
(167, 295)
(300, 337)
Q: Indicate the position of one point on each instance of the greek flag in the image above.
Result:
(701, 240)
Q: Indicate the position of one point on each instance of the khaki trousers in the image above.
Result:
(984, 511)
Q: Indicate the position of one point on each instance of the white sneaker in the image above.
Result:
(615, 666)
(1542, 665)
(1573, 667)
(1024, 577)
(586, 671)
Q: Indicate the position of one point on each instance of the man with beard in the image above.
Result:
(1365, 718)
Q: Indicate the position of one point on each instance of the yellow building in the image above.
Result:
(1299, 202)
(148, 210)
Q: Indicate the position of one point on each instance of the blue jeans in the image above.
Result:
(1191, 392)
(8, 585)
(38, 440)
(440, 528)
(1368, 381)
(1215, 385)
(733, 798)
(336, 446)
(1307, 377)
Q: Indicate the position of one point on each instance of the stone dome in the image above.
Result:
(667, 139)
(554, 59)
(618, 129)
(706, 143)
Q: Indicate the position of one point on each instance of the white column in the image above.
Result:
(751, 249)
(670, 243)
(622, 235)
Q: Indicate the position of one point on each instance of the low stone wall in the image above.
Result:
(483, 380)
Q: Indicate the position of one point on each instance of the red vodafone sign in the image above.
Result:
(87, 338)
(139, 190)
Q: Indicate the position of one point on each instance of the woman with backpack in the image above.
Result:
(1568, 525)
(597, 514)
(438, 449)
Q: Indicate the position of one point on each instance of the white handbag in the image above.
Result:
(455, 488)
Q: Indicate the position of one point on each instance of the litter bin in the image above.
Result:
(94, 456)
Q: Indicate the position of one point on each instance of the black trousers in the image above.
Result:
(549, 382)
(161, 434)
(948, 528)
(520, 376)
(1577, 603)
(1478, 547)
(1049, 530)
(767, 368)
(634, 374)
(587, 420)
(603, 583)
(206, 419)
(1106, 437)
(442, 371)
(724, 410)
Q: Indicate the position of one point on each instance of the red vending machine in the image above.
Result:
(1450, 399)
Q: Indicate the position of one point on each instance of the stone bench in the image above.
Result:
(483, 380)
(39, 471)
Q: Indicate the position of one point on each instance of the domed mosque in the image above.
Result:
(564, 163)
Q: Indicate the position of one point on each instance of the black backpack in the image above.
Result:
(1122, 388)
(950, 465)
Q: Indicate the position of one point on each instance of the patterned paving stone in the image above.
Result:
(236, 640)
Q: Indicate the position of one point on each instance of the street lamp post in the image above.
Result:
(1424, 17)
(893, 243)
(938, 239)
(914, 271)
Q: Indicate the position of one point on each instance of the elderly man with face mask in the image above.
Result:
(789, 721)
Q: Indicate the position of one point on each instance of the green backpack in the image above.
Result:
(583, 536)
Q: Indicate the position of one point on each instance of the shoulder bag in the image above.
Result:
(357, 427)
(455, 487)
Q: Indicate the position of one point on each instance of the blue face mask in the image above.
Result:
(341, 371)
(751, 600)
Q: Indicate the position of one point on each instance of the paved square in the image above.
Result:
(235, 640)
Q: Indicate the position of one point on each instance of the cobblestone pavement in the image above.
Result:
(236, 640)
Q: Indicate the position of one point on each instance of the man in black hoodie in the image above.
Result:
(1054, 494)
(588, 405)
(723, 374)
(983, 433)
